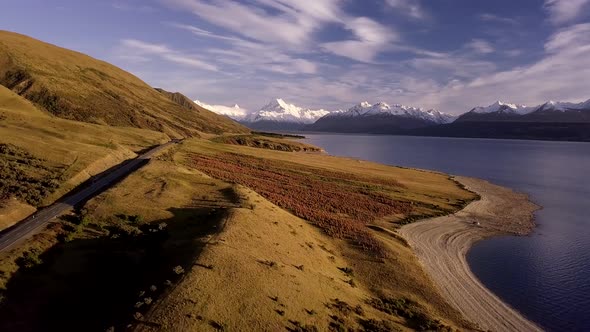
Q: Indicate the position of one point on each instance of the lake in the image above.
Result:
(545, 276)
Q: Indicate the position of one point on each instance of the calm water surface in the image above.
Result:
(546, 276)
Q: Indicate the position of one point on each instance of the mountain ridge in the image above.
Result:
(550, 111)
(75, 86)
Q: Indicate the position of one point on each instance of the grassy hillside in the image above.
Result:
(42, 156)
(180, 99)
(171, 248)
(74, 86)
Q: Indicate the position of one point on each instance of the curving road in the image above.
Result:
(28, 226)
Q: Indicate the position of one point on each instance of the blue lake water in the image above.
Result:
(545, 276)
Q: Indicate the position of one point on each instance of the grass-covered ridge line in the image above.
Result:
(74, 86)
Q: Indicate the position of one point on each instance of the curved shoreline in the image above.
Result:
(442, 243)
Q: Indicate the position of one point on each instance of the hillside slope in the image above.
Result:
(42, 156)
(75, 86)
(180, 99)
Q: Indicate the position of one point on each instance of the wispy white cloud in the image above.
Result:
(293, 25)
(565, 11)
(480, 46)
(487, 17)
(371, 38)
(561, 74)
(274, 48)
(204, 33)
(252, 56)
(133, 5)
(136, 48)
(412, 8)
(514, 52)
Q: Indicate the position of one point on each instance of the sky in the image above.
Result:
(450, 55)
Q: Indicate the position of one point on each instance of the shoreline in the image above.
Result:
(442, 243)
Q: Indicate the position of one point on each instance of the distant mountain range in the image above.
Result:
(275, 115)
(551, 120)
(379, 118)
(364, 117)
(235, 112)
(279, 115)
(561, 121)
(550, 111)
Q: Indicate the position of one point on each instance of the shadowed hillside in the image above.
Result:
(74, 86)
(180, 99)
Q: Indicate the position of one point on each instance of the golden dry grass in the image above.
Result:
(248, 264)
(305, 269)
(75, 86)
(93, 268)
(73, 150)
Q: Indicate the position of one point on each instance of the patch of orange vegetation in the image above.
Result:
(339, 203)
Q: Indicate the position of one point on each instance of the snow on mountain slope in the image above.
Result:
(503, 107)
(279, 111)
(506, 108)
(564, 106)
(235, 112)
(365, 109)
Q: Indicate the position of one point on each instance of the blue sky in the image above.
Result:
(445, 54)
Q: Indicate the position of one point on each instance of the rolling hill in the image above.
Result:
(75, 86)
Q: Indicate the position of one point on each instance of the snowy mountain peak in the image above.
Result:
(500, 106)
(564, 106)
(278, 110)
(235, 112)
(366, 109)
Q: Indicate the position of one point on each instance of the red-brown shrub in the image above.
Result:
(339, 203)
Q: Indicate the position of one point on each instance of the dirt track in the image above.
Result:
(442, 244)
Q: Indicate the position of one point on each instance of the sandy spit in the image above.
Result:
(442, 243)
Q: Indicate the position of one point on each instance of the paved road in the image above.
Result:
(28, 226)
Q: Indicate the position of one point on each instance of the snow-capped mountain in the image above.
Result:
(550, 111)
(280, 115)
(366, 109)
(564, 106)
(235, 112)
(280, 111)
(504, 108)
(380, 118)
